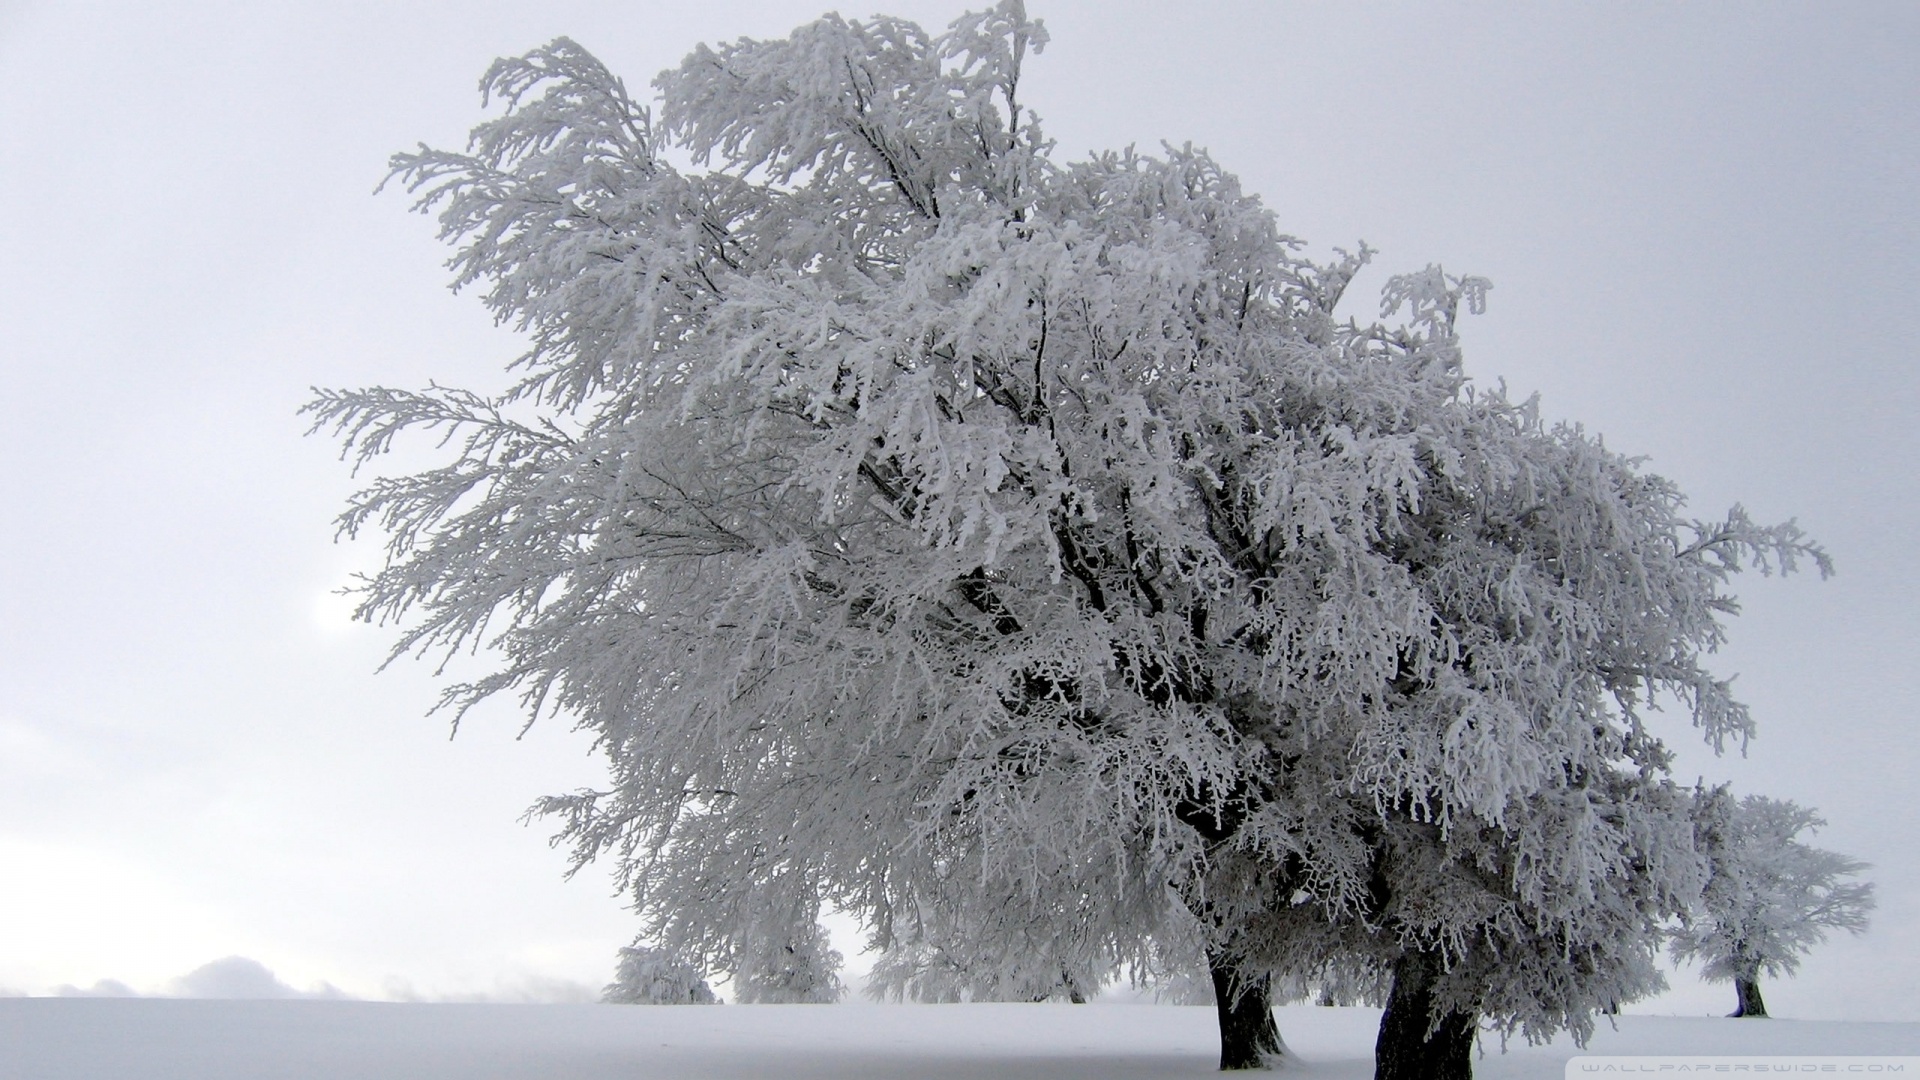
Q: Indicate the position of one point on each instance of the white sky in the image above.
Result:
(1699, 221)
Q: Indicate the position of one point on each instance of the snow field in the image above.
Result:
(161, 1039)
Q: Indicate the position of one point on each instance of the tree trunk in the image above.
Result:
(1073, 986)
(1404, 1051)
(1749, 991)
(1249, 1038)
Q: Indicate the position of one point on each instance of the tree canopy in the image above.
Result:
(1032, 554)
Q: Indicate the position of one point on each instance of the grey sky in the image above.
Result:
(1699, 221)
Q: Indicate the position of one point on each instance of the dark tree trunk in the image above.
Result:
(1248, 1035)
(1404, 1051)
(1073, 986)
(1750, 1003)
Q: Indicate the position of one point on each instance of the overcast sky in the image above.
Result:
(1699, 221)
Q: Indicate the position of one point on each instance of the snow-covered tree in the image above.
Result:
(650, 976)
(994, 946)
(1529, 840)
(1476, 934)
(788, 963)
(982, 544)
(1770, 898)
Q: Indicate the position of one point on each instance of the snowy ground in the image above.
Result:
(160, 1039)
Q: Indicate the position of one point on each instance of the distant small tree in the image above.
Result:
(1769, 898)
(649, 976)
(998, 945)
(789, 964)
(926, 972)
